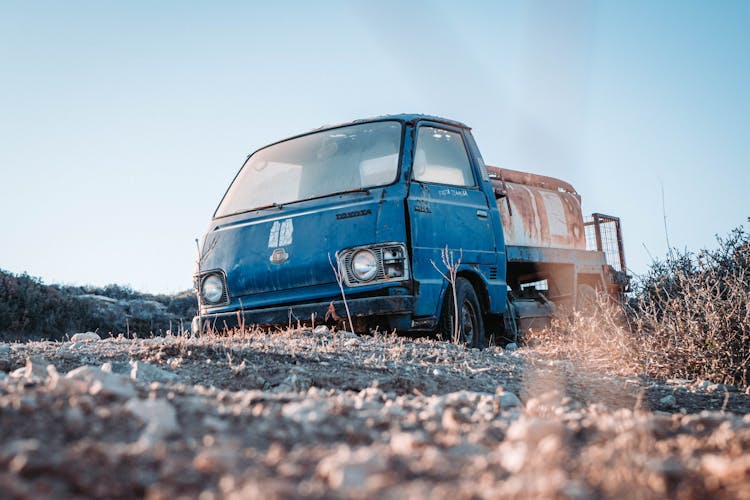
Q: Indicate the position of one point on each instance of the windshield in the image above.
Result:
(315, 165)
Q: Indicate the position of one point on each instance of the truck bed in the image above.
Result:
(584, 260)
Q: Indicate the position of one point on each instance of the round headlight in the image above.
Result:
(212, 289)
(364, 265)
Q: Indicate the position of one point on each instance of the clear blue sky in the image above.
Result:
(122, 123)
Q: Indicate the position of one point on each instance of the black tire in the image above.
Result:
(470, 318)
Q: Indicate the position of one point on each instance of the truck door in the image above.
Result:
(446, 208)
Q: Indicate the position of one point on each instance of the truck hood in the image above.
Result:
(270, 251)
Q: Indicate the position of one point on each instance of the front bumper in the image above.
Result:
(368, 306)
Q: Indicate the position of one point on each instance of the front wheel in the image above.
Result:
(470, 323)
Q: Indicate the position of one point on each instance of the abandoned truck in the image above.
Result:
(369, 218)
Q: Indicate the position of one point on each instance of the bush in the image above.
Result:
(692, 312)
(688, 317)
(31, 309)
(28, 306)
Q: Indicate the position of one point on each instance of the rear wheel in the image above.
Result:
(470, 322)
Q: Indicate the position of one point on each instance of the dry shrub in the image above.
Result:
(692, 313)
(597, 337)
(689, 317)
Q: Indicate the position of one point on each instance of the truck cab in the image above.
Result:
(390, 222)
(376, 202)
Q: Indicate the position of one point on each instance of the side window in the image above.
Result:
(440, 157)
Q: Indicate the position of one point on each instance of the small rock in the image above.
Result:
(215, 424)
(213, 460)
(102, 382)
(350, 470)
(668, 401)
(511, 347)
(306, 411)
(85, 337)
(678, 381)
(321, 330)
(159, 416)
(19, 446)
(145, 372)
(74, 419)
(506, 400)
(406, 442)
(533, 430)
(21, 453)
(52, 375)
(294, 382)
(513, 456)
(118, 368)
(34, 371)
(66, 352)
(451, 421)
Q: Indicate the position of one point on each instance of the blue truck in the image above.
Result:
(396, 222)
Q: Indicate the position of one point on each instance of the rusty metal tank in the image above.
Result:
(538, 211)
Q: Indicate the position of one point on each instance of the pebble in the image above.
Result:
(159, 416)
(321, 330)
(508, 400)
(294, 382)
(533, 430)
(668, 401)
(404, 443)
(306, 411)
(102, 382)
(34, 371)
(74, 419)
(350, 470)
(119, 368)
(145, 372)
(85, 337)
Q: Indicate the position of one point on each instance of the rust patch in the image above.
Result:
(546, 211)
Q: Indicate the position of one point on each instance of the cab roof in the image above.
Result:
(407, 117)
(403, 117)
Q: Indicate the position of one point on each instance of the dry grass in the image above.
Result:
(693, 313)
(598, 338)
(689, 318)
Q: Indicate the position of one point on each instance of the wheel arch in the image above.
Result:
(480, 288)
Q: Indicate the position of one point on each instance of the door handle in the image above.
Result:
(482, 214)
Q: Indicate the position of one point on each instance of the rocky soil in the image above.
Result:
(321, 414)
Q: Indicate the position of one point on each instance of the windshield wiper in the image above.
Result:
(271, 205)
(354, 190)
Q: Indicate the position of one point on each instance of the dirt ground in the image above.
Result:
(321, 414)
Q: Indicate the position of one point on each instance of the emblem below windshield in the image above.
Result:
(279, 256)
